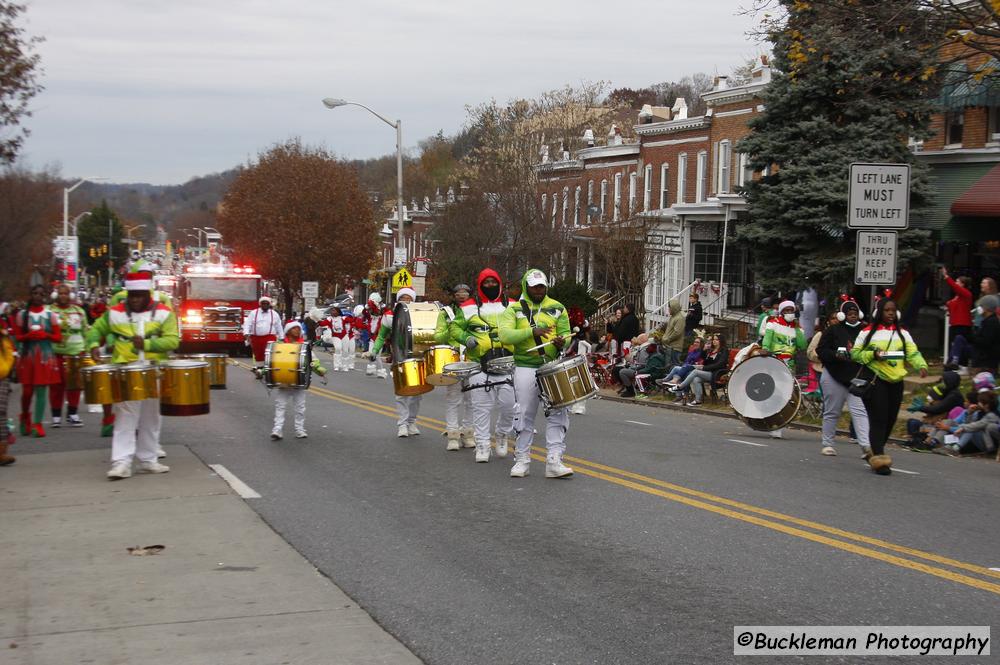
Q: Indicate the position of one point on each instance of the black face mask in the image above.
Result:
(491, 292)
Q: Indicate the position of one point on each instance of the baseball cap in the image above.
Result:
(536, 277)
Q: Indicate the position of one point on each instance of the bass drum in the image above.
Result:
(413, 326)
(286, 364)
(565, 381)
(764, 393)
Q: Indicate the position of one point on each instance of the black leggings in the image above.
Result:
(882, 404)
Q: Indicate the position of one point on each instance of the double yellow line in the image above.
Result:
(816, 532)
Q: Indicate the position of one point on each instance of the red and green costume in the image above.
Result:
(36, 329)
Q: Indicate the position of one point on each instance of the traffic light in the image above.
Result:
(139, 245)
(104, 248)
(93, 254)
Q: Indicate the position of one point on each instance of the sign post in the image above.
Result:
(878, 205)
(402, 279)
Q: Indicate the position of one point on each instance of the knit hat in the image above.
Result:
(406, 291)
(984, 382)
(139, 280)
(292, 324)
(263, 298)
(785, 304)
(375, 298)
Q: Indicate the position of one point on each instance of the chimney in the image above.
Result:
(588, 137)
(761, 72)
(721, 82)
(680, 109)
(646, 114)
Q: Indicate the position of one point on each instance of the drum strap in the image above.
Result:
(531, 321)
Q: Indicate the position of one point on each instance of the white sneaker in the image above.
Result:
(153, 467)
(301, 435)
(369, 371)
(412, 429)
(160, 453)
(776, 434)
(120, 470)
(468, 437)
(74, 420)
(521, 467)
(382, 374)
(56, 421)
(829, 450)
(453, 442)
(501, 447)
(483, 453)
(403, 432)
(275, 436)
(554, 468)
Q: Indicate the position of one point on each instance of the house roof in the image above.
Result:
(950, 184)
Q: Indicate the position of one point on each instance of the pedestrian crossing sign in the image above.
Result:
(402, 280)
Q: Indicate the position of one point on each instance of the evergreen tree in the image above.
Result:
(102, 232)
(847, 88)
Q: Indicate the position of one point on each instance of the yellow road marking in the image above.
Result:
(596, 470)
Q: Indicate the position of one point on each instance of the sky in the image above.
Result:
(161, 92)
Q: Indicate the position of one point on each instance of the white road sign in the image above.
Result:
(875, 264)
(398, 256)
(65, 248)
(310, 289)
(879, 196)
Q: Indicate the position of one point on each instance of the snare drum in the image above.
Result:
(409, 378)
(461, 371)
(99, 384)
(216, 367)
(184, 388)
(71, 371)
(565, 381)
(286, 365)
(436, 359)
(137, 381)
(501, 366)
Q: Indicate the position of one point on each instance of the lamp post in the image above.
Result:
(66, 192)
(332, 103)
(76, 220)
(196, 237)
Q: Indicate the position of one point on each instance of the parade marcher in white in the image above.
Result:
(261, 326)
(458, 406)
(285, 395)
(142, 329)
(373, 317)
(407, 408)
(336, 331)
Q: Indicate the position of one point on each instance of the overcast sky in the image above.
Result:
(160, 92)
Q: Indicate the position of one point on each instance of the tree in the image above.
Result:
(689, 87)
(620, 252)
(844, 92)
(630, 98)
(300, 215)
(101, 240)
(29, 204)
(19, 72)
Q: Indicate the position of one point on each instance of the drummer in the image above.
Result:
(141, 329)
(479, 331)
(73, 324)
(535, 319)
(294, 334)
(783, 338)
(407, 408)
(458, 410)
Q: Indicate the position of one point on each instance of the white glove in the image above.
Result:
(471, 343)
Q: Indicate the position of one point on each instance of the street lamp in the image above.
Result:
(66, 192)
(130, 229)
(332, 103)
(196, 237)
(77, 219)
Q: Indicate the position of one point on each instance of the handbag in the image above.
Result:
(863, 381)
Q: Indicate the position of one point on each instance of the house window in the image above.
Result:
(565, 207)
(725, 156)
(618, 197)
(682, 167)
(545, 204)
(633, 182)
(576, 206)
(664, 186)
(647, 186)
(993, 129)
(954, 124)
(702, 175)
(745, 173)
(604, 197)
(708, 265)
(590, 198)
(555, 208)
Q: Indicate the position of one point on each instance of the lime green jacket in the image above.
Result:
(449, 322)
(73, 324)
(118, 325)
(887, 339)
(515, 329)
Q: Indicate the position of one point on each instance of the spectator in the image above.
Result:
(987, 287)
(696, 353)
(986, 345)
(885, 348)
(838, 370)
(612, 326)
(628, 326)
(981, 430)
(766, 312)
(637, 358)
(717, 359)
(654, 369)
(693, 317)
(960, 320)
(944, 396)
(670, 334)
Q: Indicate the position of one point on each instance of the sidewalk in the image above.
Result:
(226, 588)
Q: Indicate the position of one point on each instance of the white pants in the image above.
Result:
(137, 431)
(458, 408)
(834, 397)
(282, 396)
(343, 353)
(556, 425)
(407, 408)
(485, 402)
(374, 365)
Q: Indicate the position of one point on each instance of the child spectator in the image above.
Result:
(655, 367)
(981, 430)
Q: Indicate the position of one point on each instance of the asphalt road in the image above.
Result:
(675, 528)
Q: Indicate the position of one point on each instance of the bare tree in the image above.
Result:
(620, 250)
(29, 206)
(19, 72)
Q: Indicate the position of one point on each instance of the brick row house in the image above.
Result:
(679, 173)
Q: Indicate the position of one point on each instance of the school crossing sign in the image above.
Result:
(402, 280)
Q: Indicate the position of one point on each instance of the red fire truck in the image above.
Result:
(212, 300)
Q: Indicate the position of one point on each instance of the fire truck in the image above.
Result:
(212, 300)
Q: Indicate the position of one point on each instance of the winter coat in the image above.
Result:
(516, 327)
(627, 328)
(960, 305)
(671, 333)
(950, 396)
(693, 317)
(839, 335)
(479, 317)
(884, 338)
(120, 325)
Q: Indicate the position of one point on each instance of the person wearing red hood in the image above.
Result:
(372, 317)
(479, 330)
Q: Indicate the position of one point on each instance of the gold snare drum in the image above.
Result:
(409, 378)
(216, 367)
(99, 384)
(286, 364)
(71, 371)
(436, 359)
(565, 381)
(137, 381)
(184, 388)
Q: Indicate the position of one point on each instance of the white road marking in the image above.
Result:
(639, 422)
(912, 473)
(997, 569)
(749, 443)
(238, 485)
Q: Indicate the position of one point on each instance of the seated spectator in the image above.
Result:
(986, 344)
(638, 356)
(654, 369)
(941, 432)
(716, 360)
(944, 396)
(695, 354)
(980, 433)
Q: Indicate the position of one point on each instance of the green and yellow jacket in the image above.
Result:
(516, 326)
(118, 326)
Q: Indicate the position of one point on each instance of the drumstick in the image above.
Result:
(566, 336)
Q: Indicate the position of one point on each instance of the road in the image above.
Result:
(675, 528)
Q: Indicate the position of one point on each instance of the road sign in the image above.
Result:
(879, 196)
(65, 249)
(398, 256)
(310, 289)
(875, 263)
(402, 279)
(308, 304)
(420, 285)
